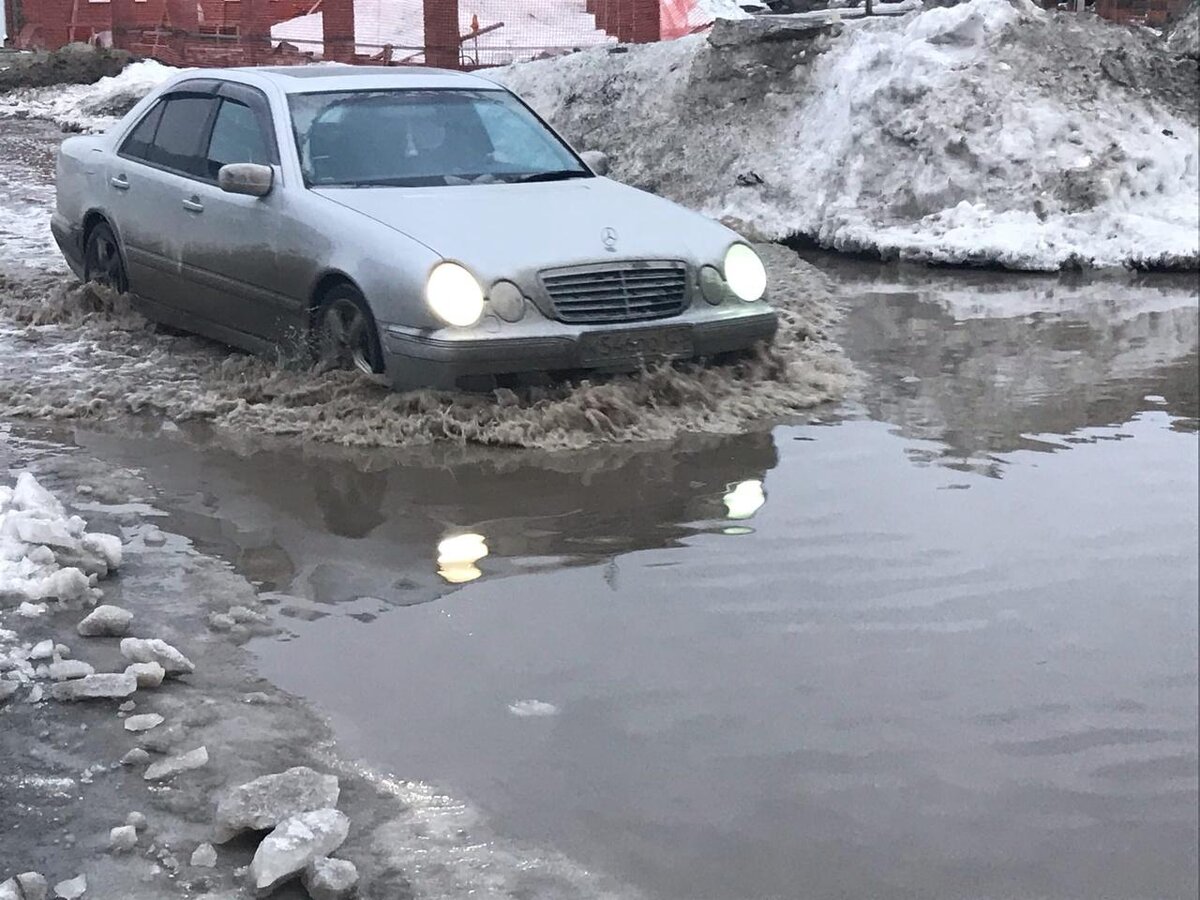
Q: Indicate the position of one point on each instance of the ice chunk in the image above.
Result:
(106, 545)
(265, 802)
(330, 879)
(148, 675)
(34, 885)
(532, 708)
(30, 496)
(105, 621)
(204, 856)
(95, 687)
(122, 839)
(168, 768)
(294, 843)
(144, 722)
(65, 669)
(72, 889)
(141, 650)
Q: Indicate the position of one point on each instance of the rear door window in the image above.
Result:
(183, 125)
(237, 137)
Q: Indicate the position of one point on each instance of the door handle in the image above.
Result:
(120, 182)
(193, 204)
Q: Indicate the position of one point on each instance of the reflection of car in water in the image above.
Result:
(417, 224)
(400, 534)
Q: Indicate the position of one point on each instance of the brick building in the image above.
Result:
(1150, 12)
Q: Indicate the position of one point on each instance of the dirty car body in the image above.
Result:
(427, 220)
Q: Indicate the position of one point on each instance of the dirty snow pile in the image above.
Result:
(1183, 39)
(88, 107)
(46, 554)
(990, 132)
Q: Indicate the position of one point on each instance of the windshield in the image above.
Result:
(414, 138)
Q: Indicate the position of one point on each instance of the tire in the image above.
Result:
(345, 336)
(102, 260)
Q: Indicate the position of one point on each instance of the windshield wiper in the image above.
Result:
(554, 175)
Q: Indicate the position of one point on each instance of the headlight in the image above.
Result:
(454, 295)
(457, 556)
(744, 499)
(745, 274)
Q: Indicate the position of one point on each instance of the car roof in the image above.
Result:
(333, 77)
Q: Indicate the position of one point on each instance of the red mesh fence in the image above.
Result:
(472, 33)
(447, 33)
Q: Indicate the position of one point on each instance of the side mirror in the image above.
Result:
(596, 161)
(246, 178)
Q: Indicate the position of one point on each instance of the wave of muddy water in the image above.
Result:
(73, 355)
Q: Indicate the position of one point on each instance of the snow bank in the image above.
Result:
(984, 133)
(44, 553)
(88, 107)
(1183, 39)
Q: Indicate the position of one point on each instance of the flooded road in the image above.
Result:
(938, 641)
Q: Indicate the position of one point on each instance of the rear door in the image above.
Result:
(153, 167)
(234, 256)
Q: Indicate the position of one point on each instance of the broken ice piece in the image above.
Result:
(142, 650)
(72, 888)
(168, 768)
(144, 722)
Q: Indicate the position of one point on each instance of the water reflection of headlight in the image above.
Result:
(744, 499)
(457, 556)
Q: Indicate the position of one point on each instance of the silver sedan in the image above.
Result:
(422, 226)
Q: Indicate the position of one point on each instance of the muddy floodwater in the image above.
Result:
(937, 641)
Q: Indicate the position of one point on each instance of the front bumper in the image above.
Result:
(448, 357)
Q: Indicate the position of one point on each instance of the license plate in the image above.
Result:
(644, 345)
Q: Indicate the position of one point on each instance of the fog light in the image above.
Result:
(713, 286)
(507, 301)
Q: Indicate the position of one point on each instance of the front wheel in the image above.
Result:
(346, 337)
(102, 262)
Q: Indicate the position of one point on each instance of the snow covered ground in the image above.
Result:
(986, 133)
(88, 107)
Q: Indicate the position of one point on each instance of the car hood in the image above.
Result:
(504, 230)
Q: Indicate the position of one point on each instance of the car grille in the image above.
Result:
(632, 292)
